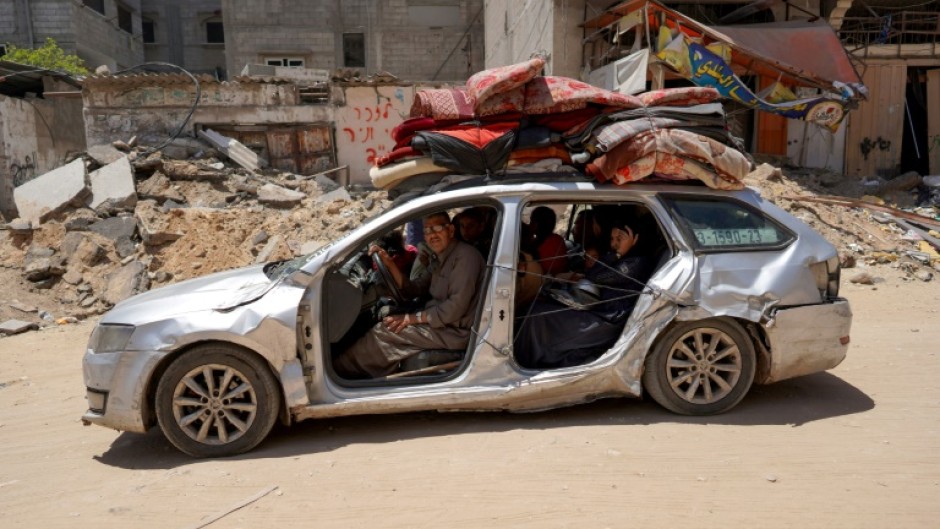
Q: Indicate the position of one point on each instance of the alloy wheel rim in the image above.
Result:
(704, 366)
(214, 404)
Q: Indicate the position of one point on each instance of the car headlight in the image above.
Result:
(108, 338)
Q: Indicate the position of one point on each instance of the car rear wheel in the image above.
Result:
(216, 400)
(700, 368)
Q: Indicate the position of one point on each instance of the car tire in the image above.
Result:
(700, 367)
(203, 420)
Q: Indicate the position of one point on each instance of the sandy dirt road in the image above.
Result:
(857, 447)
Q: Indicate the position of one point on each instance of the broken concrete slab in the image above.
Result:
(153, 225)
(159, 188)
(153, 162)
(277, 196)
(180, 170)
(114, 184)
(235, 150)
(10, 327)
(46, 195)
(22, 307)
(104, 154)
(20, 226)
(130, 279)
(115, 228)
(124, 246)
(265, 254)
(73, 277)
(336, 194)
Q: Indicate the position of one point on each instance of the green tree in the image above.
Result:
(50, 56)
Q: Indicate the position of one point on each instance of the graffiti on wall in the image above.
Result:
(868, 145)
(365, 124)
(23, 171)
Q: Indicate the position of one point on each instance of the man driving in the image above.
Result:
(443, 322)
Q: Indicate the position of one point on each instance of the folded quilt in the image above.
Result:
(393, 174)
(443, 103)
(488, 83)
(669, 152)
(679, 97)
(551, 95)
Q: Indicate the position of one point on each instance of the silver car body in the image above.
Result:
(773, 293)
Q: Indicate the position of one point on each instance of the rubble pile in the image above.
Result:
(856, 222)
(120, 220)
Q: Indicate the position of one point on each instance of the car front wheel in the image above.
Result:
(701, 367)
(216, 400)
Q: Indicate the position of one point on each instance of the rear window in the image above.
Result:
(727, 225)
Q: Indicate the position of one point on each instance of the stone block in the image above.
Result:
(104, 154)
(115, 228)
(16, 326)
(130, 279)
(46, 195)
(114, 184)
(159, 188)
(277, 196)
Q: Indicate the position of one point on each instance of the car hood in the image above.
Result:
(220, 291)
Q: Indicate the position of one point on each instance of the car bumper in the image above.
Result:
(116, 388)
(808, 339)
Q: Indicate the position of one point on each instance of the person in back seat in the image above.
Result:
(551, 248)
(473, 230)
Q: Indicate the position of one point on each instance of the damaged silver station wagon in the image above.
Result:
(738, 292)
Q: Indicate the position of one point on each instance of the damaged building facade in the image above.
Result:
(104, 32)
(424, 40)
(41, 126)
(893, 47)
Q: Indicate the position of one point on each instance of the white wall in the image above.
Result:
(364, 126)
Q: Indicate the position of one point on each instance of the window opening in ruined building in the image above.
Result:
(124, 19)
(148, 29)
(97, 5)
(3, 50)
(354, 50)
(215, 33)
(290, 62)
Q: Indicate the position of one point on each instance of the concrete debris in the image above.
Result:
(115, 228)
(104, 154)
(277, 196)
(73, 277)
(130, 279)
(923, 275)
(23, 307)
(863, 278)
(332, 196)
(113, 184)
(153, 162)
(265, 254)
(121, 145)
(259, 238)
(44, 196)
(235, 150)
(20, 226)
(158, 187)
(180, 170)
(153, 225)
(10, 327)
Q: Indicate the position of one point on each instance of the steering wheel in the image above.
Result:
(387, 279)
